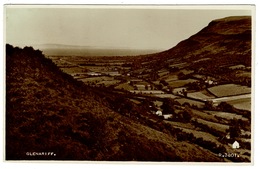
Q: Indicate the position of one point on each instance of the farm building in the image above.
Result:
(159, 113)
(167, 116)
(210, 82)
(93, 74)
(235, 145)
(228, 136)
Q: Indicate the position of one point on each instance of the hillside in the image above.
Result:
(223, 42)
(49, 111)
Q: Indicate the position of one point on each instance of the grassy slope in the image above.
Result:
(47, 110)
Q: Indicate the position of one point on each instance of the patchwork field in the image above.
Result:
(158, 103)
(180, 83)
(243, 103)
(191, 102)
(179, 65)
(97, 79)
(73, 70)
(203, 115)
(171, 77)
(226, 115)
(202, 95)
(240, 101)
(229, 90)
(186, 71)
(163, 73)
(95, 68)
(135, 101)
(201, 134)
(244, 74)
(217, 126)
(182, 125)
(147, 91)
(237, 67)
(165, 96)
(125, 86)
(108, 82)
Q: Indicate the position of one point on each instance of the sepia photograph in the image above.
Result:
(129, 83)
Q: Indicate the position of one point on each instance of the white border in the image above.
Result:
(94, 165)
(129, 2)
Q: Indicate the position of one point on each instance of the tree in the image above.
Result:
(146, 87)
(194, 86)
(184, 92)
(163, 82)
(135, 88)
(181, 76)
(234, 131)
(224, 106)
(235, 128)
(154, 76)
(168, 106)
(209, 105)
(152, 87)
(159, 86)
(186, 116)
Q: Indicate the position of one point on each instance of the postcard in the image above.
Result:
(129, 83)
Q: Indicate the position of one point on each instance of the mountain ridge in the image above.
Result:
(229, 38)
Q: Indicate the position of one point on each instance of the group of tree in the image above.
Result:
(164, 83)
(182, 76)
(169, 107)
(212, 146)
(235, 126)
(198, 85)
(226, 107)
(207, 128)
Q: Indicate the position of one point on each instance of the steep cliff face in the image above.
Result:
(51, 116)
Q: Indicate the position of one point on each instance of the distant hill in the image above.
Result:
(48, 111)
(70, 50)
(225, 41)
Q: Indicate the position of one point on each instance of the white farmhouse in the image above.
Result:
(159, 113)
(235, 145)
(210, 82)
(167, 116)
(228, 136)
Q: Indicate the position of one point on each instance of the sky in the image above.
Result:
(129, 27)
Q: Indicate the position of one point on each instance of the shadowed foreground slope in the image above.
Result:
(48, 111)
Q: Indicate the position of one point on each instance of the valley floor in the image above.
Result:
(214, 116)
